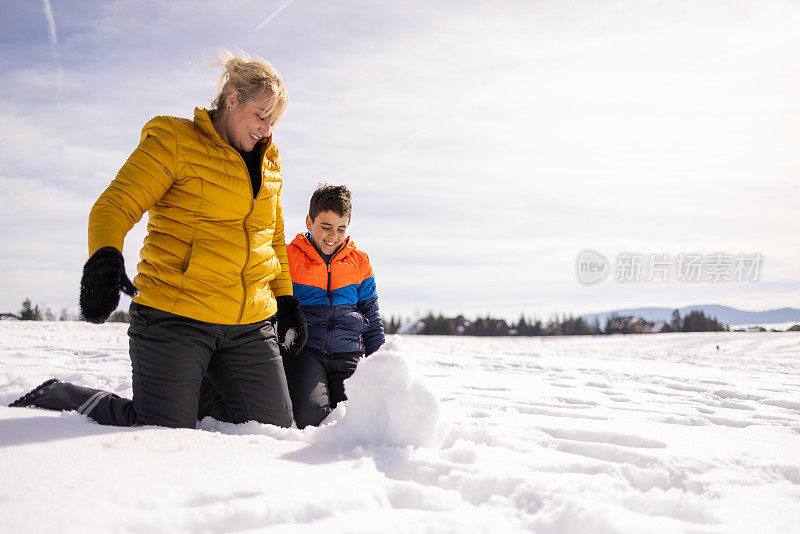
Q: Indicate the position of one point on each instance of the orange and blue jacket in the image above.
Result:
(339, 298)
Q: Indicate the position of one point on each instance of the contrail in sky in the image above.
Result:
(51, 22)
(51, 27)
(382, 157)
(275, 14)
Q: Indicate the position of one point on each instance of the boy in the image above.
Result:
(334, 284)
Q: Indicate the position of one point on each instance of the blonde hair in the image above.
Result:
(252, 78)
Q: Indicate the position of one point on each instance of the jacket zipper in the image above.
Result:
(329, 329)
(246, 234)
(253, 195)
(246, 258)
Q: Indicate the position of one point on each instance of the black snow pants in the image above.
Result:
(316, 383)
(170, 355)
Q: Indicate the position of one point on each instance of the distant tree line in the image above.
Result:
(567, 325)
(696, 321)
(29, 312)
(439, 325)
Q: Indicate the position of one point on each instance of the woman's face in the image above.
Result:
(243, 125)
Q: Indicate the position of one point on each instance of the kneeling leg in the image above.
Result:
(247, 372)
(308, 387)
(104, 407)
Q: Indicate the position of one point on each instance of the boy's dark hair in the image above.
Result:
(335, 198)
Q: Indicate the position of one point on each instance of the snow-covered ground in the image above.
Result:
(654, 433)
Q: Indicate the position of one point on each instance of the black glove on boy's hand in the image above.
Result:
(290, 317)
(103, 278)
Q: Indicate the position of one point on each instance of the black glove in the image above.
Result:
(290, 317)
(103, 278)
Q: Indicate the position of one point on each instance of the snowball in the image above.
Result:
(290, 335)
(387, 403)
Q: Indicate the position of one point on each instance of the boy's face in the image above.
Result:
(328, 230)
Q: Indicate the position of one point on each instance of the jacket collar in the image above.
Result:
(304, 243)
(202, 119)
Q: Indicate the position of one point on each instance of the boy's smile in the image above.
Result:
(328, 230)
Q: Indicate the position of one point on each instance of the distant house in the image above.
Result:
(411, 327)
(487, 327)
(660, 327)
(551, 329)
(458, 325)
(630, 325)
(755, 329)
(795, 328)
(637, 325)
(8, 317)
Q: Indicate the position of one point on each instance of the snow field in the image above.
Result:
(656, 433)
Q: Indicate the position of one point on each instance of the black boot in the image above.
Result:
(61, 396)
(29, 398)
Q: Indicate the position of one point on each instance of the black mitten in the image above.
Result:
(290, 317)
(103, 278)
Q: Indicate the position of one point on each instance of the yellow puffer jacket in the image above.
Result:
(212, 252)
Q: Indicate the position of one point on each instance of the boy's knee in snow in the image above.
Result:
(283, 420)
(310, 414)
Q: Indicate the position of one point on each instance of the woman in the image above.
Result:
(213, 267)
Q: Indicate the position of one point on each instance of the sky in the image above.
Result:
(487, 144)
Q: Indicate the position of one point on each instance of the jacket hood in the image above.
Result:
(303, 242)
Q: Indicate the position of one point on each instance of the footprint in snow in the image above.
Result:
(610, 438)
(601, 385)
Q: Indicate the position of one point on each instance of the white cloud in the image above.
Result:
(486, 142)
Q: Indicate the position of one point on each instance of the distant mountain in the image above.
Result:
(723, 314)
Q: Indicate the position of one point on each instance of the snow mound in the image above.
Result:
(387, 404)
